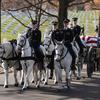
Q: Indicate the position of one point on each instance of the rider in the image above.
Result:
(56, 33)
(77, 32)
(52, 32)
(35, 40)
(68, 38)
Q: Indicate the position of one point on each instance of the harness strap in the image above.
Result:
(63, 56)
(20, 58)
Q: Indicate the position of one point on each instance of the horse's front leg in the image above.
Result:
(24, 67)
(15, 77)
(46, 76)
(29, 68)
(58, 73)
(21, 77)
(68, 75)
(5, 67)
(6, 78)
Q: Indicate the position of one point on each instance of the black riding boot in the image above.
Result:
(73, 57)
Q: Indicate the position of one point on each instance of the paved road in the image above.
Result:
(84, 89)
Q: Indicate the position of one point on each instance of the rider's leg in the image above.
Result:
(80, 44)
(73, 57)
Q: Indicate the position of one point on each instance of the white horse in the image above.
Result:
(62, 59)
(28, 64)
(49, 47)
(7, 50)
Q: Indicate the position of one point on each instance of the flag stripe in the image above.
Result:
(89, 40)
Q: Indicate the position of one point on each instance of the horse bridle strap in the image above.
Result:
(24, 43)
(20, 58)
(63, 56)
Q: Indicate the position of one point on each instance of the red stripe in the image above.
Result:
(91, 42)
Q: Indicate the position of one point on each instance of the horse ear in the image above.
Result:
(62, 41)
(55, 41)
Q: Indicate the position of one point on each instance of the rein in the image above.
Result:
(63, 56)
(49, 42)
(24, 43)
(20, 58)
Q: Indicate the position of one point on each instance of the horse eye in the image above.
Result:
(22, 40)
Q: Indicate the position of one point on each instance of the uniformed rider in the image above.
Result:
(77, 32)
(52, 32)
(56, 33)
(68, 38)
(34, 37)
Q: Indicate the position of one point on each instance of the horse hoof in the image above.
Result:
(16, 85)
(33, 81)
(37, 86)
(43, 79)
(22, 83)
(5, 86)
(78, 78)
(50, 77)
(56, 82)
(68, 87)
(45, 83)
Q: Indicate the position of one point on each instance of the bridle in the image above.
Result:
(49, 42)
(24, 42)
(61, 55)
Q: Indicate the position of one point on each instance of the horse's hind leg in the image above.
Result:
(68, 76)
(15, 77)
(6, 78)
(22, 77)
(5, 67)
(33, 77)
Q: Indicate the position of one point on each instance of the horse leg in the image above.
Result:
(46, 76)
(67, 71)
(25, 69)
(56, 76)
(15, 77)
(59, 78)
(6, 78)
(80, 66)
(5, 67)
(22, 77)
(33, 76)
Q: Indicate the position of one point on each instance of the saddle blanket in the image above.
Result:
(91, 41)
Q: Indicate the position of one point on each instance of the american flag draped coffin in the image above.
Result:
(91, 41)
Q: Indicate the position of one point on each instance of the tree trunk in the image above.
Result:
(63, 8)
(99, 27)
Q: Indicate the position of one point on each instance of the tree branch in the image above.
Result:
(50, 2)
(73, 4)
(30, 15)
(17, 19)
(41, 9)
(26, 6)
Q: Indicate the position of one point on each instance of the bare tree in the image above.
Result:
(63, 8)
(38, 7)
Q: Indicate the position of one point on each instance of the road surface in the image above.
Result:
(84, 89)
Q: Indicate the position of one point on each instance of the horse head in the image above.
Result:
(21, 42)
(59, 49)
(48, 44)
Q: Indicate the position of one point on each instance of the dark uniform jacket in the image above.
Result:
(68, 35)
(77, 31)
(57, 35)
(35, 38)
